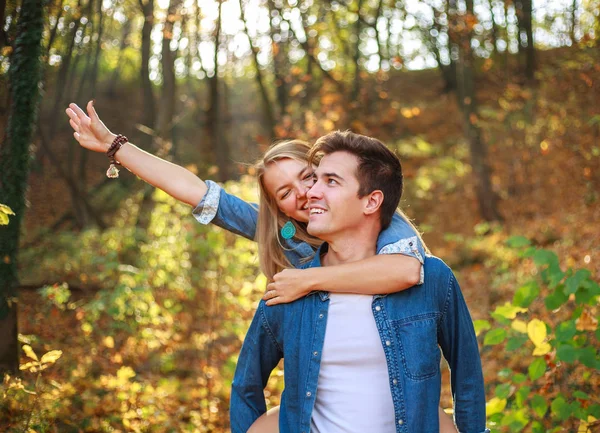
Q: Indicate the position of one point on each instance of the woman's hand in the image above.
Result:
(287, 286)
(89, 131)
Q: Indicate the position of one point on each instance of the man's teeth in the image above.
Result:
(314, 211)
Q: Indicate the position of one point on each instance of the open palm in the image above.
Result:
(89, 130)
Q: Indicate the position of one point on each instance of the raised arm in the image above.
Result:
(211, 204)
(397, 267)
(178, 182)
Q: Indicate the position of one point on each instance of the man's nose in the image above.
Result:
(314, 192)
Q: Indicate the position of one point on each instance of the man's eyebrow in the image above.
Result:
(335, 175)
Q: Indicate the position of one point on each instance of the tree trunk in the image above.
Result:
(149, 115)
(214, 122)
(266, 101)
(494, 27)
(356, 57)
(530, 50)
(461, 36)
(279, 59)
(169, 91)
(24, 76)
(3, 39)
(100, 33)
(126, 30)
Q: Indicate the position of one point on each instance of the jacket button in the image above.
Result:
(378, 308)
(315, 353)
(308, 394)
(388, 342)
(395, 381)
(320, 316)
(400, 422)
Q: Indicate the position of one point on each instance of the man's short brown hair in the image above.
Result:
(378, 167)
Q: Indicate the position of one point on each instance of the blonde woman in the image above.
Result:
(284, 178)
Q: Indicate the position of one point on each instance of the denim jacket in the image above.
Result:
(237, 216)
(413, 325)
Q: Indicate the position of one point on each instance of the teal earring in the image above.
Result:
(288, 231)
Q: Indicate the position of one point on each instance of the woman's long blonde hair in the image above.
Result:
(270, 218)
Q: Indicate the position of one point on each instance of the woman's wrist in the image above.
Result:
(107, 143)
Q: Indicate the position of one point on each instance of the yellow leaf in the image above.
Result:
(28, 365)
(29, 352)
(509, 310)
(297, 88)
(519, 326)
(109, 342)
(495, 405)
(542, 349)
(583, 425)
(51, 357)
(536, 329)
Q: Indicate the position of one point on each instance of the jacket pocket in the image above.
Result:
(419, 350)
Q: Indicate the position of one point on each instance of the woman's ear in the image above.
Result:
(374, 202)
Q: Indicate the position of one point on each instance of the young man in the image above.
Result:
(356, 363)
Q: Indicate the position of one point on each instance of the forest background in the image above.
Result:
(131, 315)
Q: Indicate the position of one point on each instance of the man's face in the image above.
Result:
(334, 206)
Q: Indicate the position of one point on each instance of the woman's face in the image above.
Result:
(288, 180)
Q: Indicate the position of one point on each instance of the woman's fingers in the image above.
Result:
(74, 125)
(76, 135)
(78, 111)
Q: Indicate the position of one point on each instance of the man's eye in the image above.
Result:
(331, 181)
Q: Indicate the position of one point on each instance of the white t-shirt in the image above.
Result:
(353, 392)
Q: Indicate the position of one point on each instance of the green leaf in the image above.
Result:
(526, 294)
(495, 336)
(567, 353)
(519, 378)
(580, 394)
(537, 369)
(481, 325)
(516, 421)
(588, 357)
(545, 258)
(539, 405)
(521, 395)
(537, 427)
(514, 343)
(560, 408)
(556, 299)
(518, 242)
(566, 331)
(574, 282)
(502, 391)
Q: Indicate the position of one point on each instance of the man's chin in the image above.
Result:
(316, 231)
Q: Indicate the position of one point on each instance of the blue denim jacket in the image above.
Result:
(237, 216)
(413, 325)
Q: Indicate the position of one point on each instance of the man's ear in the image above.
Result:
(374, 202)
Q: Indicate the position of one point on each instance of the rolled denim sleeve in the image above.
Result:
(260, 354)
(401, 238)
(227, 211)
(459, 346)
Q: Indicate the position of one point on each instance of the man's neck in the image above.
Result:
(349, 248)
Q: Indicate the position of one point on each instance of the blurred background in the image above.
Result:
(492, 105)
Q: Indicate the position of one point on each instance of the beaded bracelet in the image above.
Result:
(113, 171)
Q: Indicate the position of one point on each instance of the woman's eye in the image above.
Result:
(287, 193)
